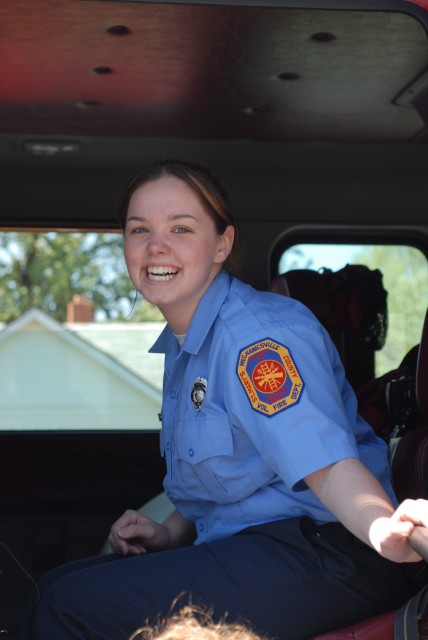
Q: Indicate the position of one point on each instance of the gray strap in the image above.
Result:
(406, 622)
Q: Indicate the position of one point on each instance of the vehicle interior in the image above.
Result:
(315, 116)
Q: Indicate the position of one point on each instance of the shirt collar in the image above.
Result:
(203, 318)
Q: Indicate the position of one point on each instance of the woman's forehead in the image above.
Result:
(169, 195)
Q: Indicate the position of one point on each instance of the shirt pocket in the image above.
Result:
(206, 467)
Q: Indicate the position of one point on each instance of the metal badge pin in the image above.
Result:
(199, 390)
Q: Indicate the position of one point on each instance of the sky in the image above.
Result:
(333, 256)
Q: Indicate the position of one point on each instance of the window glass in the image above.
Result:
(405, 277)
(73, 339)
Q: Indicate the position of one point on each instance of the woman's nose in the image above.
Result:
(158, 243)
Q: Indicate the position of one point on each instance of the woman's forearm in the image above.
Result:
(351, 492)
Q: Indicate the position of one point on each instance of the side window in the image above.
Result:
(73, 340)
(404, 270)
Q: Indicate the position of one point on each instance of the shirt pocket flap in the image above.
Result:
(203, 439)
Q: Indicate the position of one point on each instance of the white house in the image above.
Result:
(78, 376)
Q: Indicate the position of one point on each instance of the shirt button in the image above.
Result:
(201, 527)
(172, 394)
(191, 453)
(167, 446)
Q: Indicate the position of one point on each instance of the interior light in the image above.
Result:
(52, 148)
(288, 75)
(102, 71)
(323, 36)
(119, 30)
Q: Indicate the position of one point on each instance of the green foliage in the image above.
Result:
(405, 278)
(143, 311)
(45, 270)
(294, 258)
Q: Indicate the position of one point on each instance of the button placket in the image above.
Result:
(172, 394)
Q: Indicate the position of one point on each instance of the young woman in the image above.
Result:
(285, 516)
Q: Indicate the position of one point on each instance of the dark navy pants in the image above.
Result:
(287, 579)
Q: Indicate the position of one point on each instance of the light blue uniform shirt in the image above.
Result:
(277, 407)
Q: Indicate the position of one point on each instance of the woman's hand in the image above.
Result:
(135, 534)
(392, 537)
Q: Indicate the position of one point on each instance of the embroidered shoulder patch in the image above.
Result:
(269, 376)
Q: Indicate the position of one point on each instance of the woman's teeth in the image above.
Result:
(161, 273)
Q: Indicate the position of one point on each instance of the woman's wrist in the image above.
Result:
(179, 530)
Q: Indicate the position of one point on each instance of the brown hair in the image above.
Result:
(207, 186)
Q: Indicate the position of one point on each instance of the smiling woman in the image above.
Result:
(250, 378)
(175, 240)
(170, 264)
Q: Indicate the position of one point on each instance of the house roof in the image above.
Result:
(128, 343)
(122, 348)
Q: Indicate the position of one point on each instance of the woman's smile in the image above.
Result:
(161, 274)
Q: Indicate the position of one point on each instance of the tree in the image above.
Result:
(143, 311)
(295, 258)
(405, 278)
(45, 270)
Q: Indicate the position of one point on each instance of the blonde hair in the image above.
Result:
(194, 623)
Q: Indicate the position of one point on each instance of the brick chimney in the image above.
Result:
(80, 309)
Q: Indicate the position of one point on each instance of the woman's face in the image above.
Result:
(172, 249)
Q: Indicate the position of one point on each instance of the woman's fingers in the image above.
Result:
(134, 534)
(121, 542)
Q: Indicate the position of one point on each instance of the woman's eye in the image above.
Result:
(181, 230)
(140, 230)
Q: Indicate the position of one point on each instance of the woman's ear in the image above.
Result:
(225, 244)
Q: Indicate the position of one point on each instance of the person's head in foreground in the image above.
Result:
(192, 623)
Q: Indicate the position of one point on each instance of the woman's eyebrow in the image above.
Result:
(138, 218)
(178, 216)
(175, 216)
